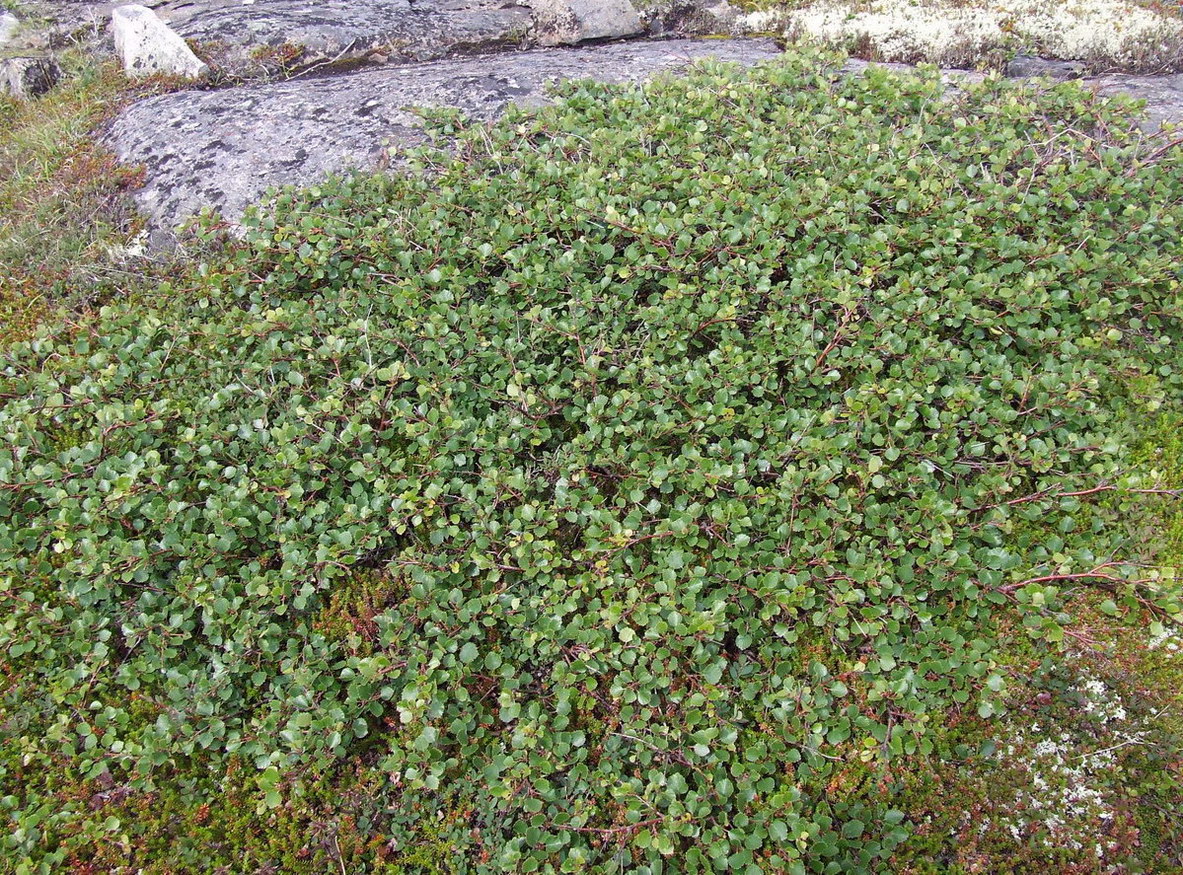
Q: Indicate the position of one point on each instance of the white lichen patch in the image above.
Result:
(1103, 33)
(1168, 639)
(1062, 802)
(136, 247)
(1100, 703)
(1065, 801)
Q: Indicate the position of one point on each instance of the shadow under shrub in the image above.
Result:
(632, 490)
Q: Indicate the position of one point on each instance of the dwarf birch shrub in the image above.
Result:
(632, 486)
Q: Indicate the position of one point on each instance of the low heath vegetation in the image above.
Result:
(671, 480)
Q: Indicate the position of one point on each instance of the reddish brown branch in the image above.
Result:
(1095, 574)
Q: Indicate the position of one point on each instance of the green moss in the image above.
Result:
(349, 615)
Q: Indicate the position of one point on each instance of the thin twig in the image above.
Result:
(337, 848)
(1094, 574)
(1128, 741)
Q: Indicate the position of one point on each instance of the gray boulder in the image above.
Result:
(222, 149)
(149, 47)
(567, 22)
(24, 78)
(8, 27)
(240, 37)
(1031, 67)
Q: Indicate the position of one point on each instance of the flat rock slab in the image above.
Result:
(410, 29)
(1163, 95)
(234, 34)
(25, 78)
(223, 149)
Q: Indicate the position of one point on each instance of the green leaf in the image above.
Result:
(852, 829)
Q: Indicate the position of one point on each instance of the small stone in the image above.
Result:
(1031, 67)
(148, 46)
(8, 27)
(566, 22)
(28, 77)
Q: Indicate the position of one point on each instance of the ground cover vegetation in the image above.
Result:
(69, 228)
(763, 471)
(43, 150)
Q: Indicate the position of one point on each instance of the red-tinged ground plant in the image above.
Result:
(70, 235)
